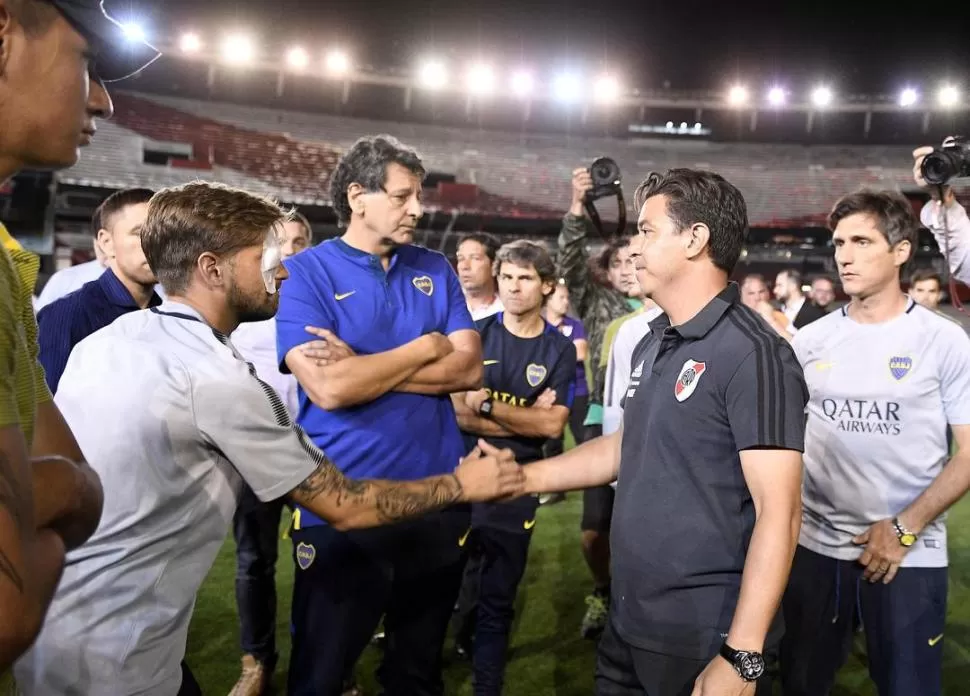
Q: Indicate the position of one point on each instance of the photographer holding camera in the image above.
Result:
(597, 305)
(947, 220)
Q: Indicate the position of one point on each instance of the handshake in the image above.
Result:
(489, 473)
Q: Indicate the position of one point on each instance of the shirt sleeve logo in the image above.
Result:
(424, 284)
(900, 366)
(305, 553)
(534, 374)
(690, 375)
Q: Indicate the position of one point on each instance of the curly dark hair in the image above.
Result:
(365, 163)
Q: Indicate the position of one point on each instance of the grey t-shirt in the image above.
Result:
(881, 396)
(172, 420)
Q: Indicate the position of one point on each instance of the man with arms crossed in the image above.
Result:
(127, 285)
(529, 376)
(709, 461)
(174, 420)
(886, 376)
(50, 500)
(395, 316)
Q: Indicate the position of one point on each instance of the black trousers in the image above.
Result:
(623, 670)
(256, 529)
(827, 600)
(189, 687)
(486, 607)
(345, 582)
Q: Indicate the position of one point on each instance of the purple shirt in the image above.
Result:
(574, 331)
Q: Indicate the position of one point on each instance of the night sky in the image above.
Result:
(857, 47)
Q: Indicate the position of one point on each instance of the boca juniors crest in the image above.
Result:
(899, 366)
(534, 374)
(305, 553)
(424, 284)
(690, 375)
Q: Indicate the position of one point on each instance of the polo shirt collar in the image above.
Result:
(701, 323)
(118, 294)
(372, 261)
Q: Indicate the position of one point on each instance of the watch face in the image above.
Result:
(750, 666)
(907, 539)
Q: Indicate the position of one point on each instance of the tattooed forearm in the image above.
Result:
(346, 502)
(398, 501)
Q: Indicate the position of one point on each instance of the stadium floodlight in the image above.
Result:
(566, 87)
(337, 62)
(698, 126)
(133, 32)
(821, 96)
(738, 95)
(522, 83)
(776, 96)
(606, 89)
(908, 97)
(297, 58)
(948, 96)
(238, 49)
(670, 125)
(480, 79)
(433, 74)
(190, 43)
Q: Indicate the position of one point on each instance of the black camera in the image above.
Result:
(605, 174)
(950, 161)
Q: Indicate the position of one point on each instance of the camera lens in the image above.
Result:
(604, 171)
(938, 168)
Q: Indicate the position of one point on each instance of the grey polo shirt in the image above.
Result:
(173, 420)
(700, 393)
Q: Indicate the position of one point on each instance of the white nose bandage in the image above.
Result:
(272, 258)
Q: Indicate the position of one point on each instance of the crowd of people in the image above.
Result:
(760, 480)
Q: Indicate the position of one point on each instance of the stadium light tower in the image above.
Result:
(607, 89)
(908, 97)
(433, 74)
(337, 62)
(480, 79)
(522, 83)
(238, 49)
(776, 96)
(566, 87)
(738, 95)
(821, 96)
(190, 43)
(948, 96)
(297, 58)
(133, 32)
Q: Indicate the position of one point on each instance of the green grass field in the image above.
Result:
(547, 654)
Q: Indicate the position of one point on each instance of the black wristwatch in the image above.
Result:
(485, 410)
(749, 665)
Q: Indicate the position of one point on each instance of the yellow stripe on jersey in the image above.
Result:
(22, 383)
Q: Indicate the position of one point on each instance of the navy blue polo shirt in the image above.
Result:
(700, 393)
(517, 371)
(337, 287)
(67, 321)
